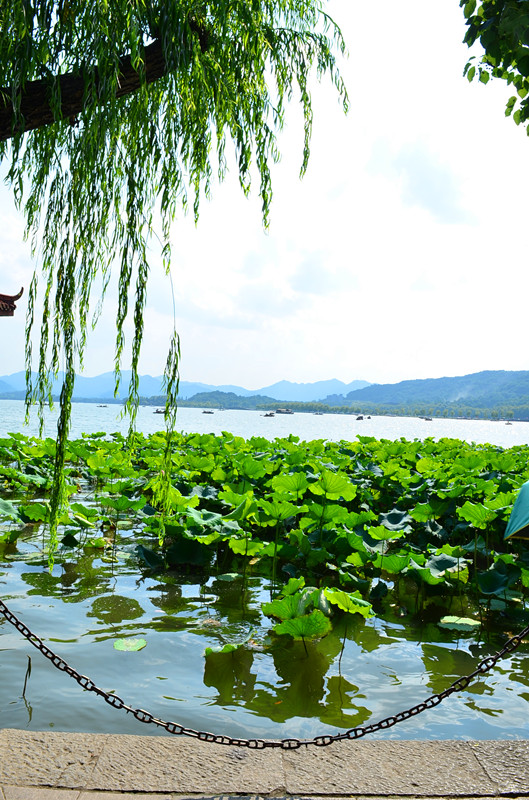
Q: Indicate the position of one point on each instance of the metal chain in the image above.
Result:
(459, 685)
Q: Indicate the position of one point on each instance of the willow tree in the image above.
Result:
(502, 29)
(115, 113)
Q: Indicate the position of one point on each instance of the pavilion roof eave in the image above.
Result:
(8, 303)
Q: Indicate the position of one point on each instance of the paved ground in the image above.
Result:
(65, 766)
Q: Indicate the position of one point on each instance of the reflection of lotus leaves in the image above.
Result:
(115, 608)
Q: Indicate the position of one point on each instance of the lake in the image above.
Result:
(90, 418)
(350, 677)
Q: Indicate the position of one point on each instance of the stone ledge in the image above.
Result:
(75, 766)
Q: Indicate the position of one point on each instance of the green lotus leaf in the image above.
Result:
(442, 563)
(293, 586)
(310, 626)
(424, 573)
(225, 648)
(295, 483)
(393, 563)
(351, 602)
(36, 512)
(381, 533)
(422, 512)
(245, 546)
(246, 507)
(477, 514)
(396, 521)
(283, 607)
(277, 510)
(130, 645)
(333, 486)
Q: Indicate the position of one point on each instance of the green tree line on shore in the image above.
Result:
(229, 400)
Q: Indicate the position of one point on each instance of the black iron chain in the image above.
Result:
(459, 685)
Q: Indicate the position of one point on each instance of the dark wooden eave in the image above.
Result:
(7, 303)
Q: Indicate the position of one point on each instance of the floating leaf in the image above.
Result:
(129, 645)
(225, 648)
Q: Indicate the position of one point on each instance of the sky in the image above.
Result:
(400, 255)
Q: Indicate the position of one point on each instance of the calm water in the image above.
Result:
(89, 418)
(388, 663)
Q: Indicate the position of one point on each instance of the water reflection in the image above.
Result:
(300, 687)
(361, 671)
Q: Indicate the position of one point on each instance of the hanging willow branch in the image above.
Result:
(113, 110)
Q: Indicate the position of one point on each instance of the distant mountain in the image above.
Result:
(101, 387)
(310, 392)
(482, 389)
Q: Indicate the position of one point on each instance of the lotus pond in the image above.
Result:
(294, 588)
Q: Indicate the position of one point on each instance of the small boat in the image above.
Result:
(508, 423)
(269, 414)
(102, 405)
(208, 412)
(360, 416)
(159, 411)
(284, 411)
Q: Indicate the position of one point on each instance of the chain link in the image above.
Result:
(459, 685)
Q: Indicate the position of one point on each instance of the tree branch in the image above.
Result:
(36, 110)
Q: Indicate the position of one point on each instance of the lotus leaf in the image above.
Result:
(351, 602)
(275, 511)
(283, 607)
(130, 645)
(333, 486)
(293, 586)
(225, 648)
(396, 520)
(245, 546)
(295, 483)
(310, 626)
(477, 514)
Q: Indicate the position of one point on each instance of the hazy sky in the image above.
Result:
(401, 254)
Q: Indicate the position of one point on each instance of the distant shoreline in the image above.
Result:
(295, 407)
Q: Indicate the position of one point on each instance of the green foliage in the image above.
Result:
(309, 626)
(502, 29)
(130, 645)
(384, 516)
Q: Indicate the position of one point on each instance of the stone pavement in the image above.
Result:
(76, 766)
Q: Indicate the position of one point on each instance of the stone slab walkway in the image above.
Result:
(66, 766)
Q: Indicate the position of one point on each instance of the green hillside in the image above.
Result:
(481, 390)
